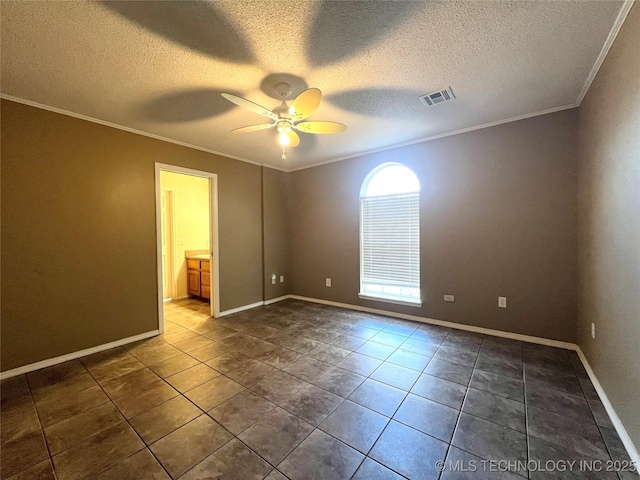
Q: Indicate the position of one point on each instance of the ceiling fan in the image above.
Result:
(288, 118)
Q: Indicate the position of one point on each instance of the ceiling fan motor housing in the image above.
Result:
(283, 89)
(283, 125)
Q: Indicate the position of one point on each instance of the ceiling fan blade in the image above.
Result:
(306, 103)
(294, 139)
(320, 127)
(249, 105)
(253, 128)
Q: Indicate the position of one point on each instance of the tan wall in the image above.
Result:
(79, 234)
(610, 224)
(191, 218)
(498, 218)
(276, 232)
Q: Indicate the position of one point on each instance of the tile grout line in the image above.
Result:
(455, 428)
(343, 400)
(249, 389)
(598, 427)
(407, 392)
(383, 361)
(595, 424)
(399, 405)
(233, 396)
(332, 365)
(182, 394)
(526, 408)
(109, 400)
(468, 385)
(145, 446)
(46, 442)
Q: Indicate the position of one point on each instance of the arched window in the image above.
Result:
(390, 235)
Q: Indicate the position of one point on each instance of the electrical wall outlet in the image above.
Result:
(181, 241)
(281, 278)
(593, 330)
(273, 279)
(449, 298)
(502, 302)
(327, 282)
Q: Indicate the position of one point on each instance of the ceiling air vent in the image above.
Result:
(440, 96)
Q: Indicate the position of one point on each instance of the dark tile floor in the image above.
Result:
(304, 391)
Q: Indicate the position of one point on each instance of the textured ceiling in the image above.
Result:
(159, 67)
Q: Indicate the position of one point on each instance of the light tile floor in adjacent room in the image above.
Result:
(304, 391)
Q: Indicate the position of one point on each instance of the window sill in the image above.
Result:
(410, 303)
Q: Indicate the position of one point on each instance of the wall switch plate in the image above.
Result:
(281, 278)
(449, 298)
(593, 330)
(273, 279)
(327, 282)
(502, 302)
(181, 241)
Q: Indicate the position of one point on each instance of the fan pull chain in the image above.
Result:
(284, 153)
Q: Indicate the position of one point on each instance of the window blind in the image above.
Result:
(391, 243)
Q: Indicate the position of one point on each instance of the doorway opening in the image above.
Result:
(187, 241)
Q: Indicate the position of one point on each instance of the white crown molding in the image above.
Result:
(274, 167)
(613, 33)
(440, 135)
(73, 355)
(622, 15)
(121, 127)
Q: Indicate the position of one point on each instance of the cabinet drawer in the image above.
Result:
(193, 264)
(205, 278)
(204, 266)
(206, 292)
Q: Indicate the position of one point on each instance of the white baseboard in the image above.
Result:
(617, 423)
(240, 309)
(442, 323)
(276, 300)
(622, 432)
(99, 348)
(72, 356)
(253, 305)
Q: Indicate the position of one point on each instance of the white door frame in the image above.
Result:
(173, 287)
(213, 236)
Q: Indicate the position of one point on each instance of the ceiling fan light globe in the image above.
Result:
(283, 139)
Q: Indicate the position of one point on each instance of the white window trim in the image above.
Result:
(407, 302)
